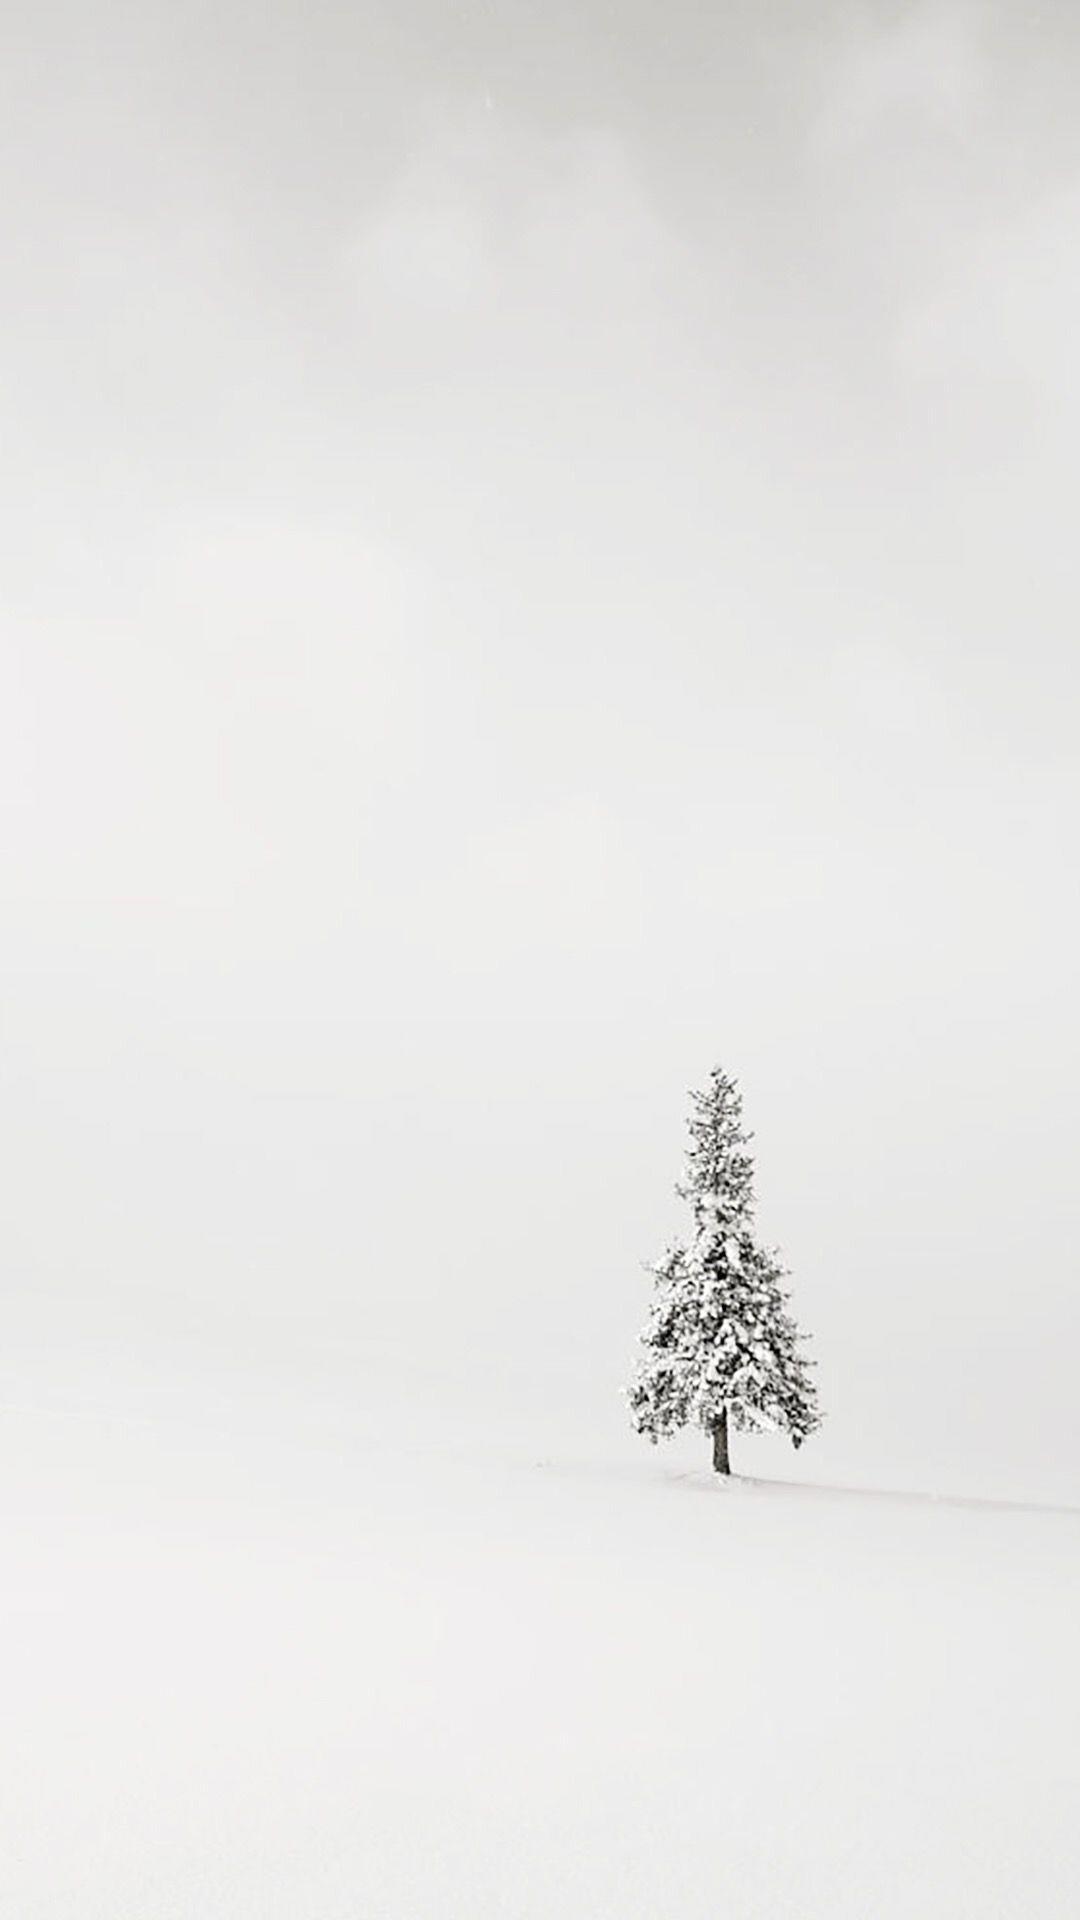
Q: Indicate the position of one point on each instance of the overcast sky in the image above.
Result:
(539, 554)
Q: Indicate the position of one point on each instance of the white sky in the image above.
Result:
(538, 552)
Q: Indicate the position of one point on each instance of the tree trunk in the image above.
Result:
(721, 1463)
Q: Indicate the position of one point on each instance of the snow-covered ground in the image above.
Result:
(363, 1680)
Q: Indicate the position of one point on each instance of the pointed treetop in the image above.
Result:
(719, 1180)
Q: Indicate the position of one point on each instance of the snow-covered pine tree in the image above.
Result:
(719, 1342)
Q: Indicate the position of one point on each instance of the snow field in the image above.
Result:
(404, 1689)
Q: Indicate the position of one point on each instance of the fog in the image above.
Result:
(538, 557)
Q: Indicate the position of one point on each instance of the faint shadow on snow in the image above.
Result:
(735, 1485)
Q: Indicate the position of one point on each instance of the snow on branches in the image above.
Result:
(719, 1340)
